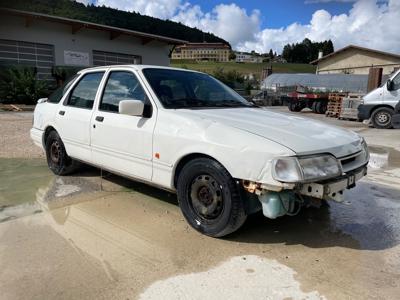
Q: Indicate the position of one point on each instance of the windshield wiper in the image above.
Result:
(231, 103)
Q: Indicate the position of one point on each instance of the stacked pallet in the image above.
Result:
(349, 109)
(335, 104)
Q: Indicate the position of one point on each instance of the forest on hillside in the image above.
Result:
(306, 51)
(112, 17)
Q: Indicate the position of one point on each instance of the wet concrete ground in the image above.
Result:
(86, 237)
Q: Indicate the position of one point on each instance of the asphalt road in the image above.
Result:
(87, 237)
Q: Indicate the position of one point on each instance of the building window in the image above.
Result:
(36, 55)
(102, 58)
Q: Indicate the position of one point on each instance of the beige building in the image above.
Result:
(45, 41)
(202, 51)
(356, 60)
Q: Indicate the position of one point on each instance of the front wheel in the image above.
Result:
(382, 118)
(209, 198)
(57, 158)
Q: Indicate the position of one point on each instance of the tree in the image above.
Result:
(306, 51)
(232, 55)
(271, 54)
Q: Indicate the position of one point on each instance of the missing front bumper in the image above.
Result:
(332, 190)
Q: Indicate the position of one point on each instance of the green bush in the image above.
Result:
(18, 84)
(62, 73)
(230, 78)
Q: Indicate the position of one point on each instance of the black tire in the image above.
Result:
(314, 106)
(295, 106)
(381, 118)
(57, 158)
(291, 106)
(321, 107)
(209, 198)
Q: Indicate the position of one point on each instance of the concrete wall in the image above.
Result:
(355, 61)
(85, 40)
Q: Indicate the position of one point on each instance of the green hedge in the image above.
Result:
(18, 84)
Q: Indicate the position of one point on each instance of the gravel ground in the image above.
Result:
(15, 141)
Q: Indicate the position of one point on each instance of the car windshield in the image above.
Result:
(184, 89)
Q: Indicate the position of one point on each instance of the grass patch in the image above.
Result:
(243, 68)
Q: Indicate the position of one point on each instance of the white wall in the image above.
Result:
(85, 40)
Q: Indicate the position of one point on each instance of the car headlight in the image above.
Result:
(305, 169)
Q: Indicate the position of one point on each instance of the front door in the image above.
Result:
(123, 143)
(74, 115)
(393, 97)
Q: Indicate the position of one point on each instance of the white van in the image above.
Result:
(379, 105)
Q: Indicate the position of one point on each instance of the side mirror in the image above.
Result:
(131, 107)
(42, 100)
(389, 85)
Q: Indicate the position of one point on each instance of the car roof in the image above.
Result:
(132, 66)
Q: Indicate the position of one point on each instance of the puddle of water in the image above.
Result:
(20, 179)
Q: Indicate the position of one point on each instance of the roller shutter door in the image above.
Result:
(36, 55)
(102, 58)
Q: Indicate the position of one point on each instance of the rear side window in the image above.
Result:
(84, 93)
(121, 85)
(57, 95)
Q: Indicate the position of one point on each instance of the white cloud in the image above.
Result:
(163, 9)
(369, 23)
(228, 21)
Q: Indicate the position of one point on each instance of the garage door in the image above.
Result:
(102, 58)
(37, 55)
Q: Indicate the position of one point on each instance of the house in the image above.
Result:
(356, 60)
(202, 51)
(45, 41)
(242, 57)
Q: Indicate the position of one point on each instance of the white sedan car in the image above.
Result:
(187, 132)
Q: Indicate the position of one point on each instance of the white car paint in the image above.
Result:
(244, 140)
(382, 95)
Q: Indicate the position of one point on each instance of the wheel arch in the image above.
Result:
(184, 160)
(381, 106)
(46, 133)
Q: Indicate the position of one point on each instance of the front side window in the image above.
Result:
(84, 93)
(183, 89)
(121, 85)
(57, 95)
(396, 82)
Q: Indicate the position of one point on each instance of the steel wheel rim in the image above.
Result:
(55, 152)
(383, 118)
(206, 197)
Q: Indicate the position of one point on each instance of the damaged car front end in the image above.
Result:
(307, 180)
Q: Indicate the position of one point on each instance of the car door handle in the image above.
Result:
(61, 112)
(99, 118)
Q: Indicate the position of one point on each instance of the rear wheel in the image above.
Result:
(57, 158)
(209, 198)
(321, 107)
(381, 118)
(295, 106)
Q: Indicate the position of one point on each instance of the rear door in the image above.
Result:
(123, 143)
(74, 116)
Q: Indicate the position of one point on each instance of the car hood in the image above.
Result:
(302, 135)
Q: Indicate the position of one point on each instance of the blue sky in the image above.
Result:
(261, 25)
(277, 14)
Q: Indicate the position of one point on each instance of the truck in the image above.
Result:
(379, 106)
